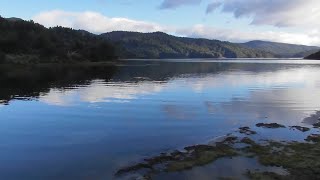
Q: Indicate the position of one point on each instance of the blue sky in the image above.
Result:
(231, 20)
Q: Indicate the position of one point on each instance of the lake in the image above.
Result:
(85, 122)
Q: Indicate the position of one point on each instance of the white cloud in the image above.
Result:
(312, 38)
(281, 13)
(97, 23)
(93, 22)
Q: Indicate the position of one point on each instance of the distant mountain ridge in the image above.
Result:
(282, 49)
(162, 45)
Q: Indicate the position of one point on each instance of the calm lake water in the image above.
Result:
(85, 122)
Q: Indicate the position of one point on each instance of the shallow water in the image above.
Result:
(75, 122)
(227, 168)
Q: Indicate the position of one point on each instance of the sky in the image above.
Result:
(288, 21)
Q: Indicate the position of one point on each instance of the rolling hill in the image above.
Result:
(161, 45)
(282, 49)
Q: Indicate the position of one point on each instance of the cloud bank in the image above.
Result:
(201, 31)
(280, 13)
(93, 22)
(97, 23)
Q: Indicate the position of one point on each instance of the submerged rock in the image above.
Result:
(247, 140)
(196, 155)
(270, 125)
(300, 128)
(133, 168)
(247, 131)
(313, 138)
(316, 125)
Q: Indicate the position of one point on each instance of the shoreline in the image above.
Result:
(297, 159)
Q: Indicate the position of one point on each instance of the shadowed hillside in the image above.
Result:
(28, 42)
(161, 45)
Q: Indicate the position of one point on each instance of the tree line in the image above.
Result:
(26, 41)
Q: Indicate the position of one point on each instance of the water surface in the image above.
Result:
(85, 122)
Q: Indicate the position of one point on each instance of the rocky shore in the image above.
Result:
(299, 159)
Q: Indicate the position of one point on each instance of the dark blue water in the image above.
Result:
(74, 122)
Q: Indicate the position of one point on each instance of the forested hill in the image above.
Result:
(315, 56)
(282, 49)
(28, 42)
(161, 45)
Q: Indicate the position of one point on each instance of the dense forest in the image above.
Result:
(161, 45)
(28, 42)
(314, 56)
(282, 50)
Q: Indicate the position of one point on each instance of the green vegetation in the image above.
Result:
(28, 42)
(300, 159)
(161, 45)
(314, 56)
(197, 155)
(282, 49)
(200, 155)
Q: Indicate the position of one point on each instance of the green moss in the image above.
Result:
(197, 155)
(302, 160)
(201, 155)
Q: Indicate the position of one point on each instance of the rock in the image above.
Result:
(135, 167)
(248, 141)
(316, 125)
(313, 138)
(246, 130)
(270, 125)
(300, 128)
